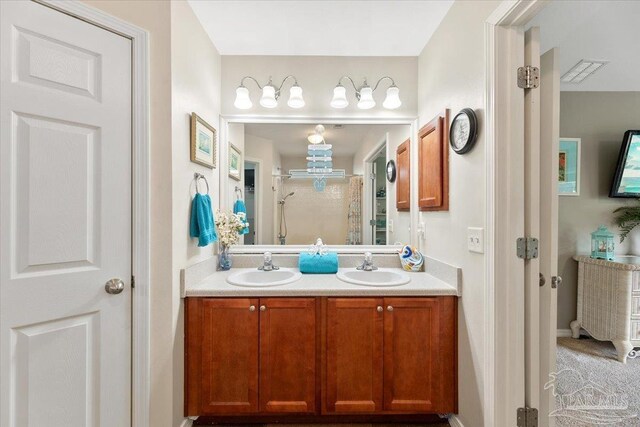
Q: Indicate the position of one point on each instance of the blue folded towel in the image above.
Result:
(321, 153)
(202, 223)
(240, 208)
(319, 164)
(318, 264)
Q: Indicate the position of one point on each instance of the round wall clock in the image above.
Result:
(463, 131)
(391, 171)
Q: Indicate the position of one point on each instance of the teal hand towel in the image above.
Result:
(318, 264)
(321, 153)
(319, 164)
(240, 208)
(202, 224)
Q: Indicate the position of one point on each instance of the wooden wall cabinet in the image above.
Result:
(320, 357)
(403, 176)
(433, 164)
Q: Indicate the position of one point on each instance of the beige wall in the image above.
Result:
(155, 17)
(318, 75)
(600, 120)
(261, 148)
(452, 75)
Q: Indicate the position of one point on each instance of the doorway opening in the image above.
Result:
(251, 188)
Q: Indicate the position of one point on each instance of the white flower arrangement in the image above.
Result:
(229, 225)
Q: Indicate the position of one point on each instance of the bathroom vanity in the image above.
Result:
(319, 348)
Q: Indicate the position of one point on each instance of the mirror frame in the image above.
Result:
(224, 195)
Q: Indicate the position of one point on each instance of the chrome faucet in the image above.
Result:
(367, 265)
(267, 263)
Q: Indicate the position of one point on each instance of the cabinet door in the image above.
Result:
(222, 356)
(403, 179)
(354, 355)
(287, 355)
(433, 161)
(420, 354)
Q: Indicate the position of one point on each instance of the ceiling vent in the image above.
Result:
(582, 70)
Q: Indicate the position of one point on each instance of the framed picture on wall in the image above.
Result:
(235, 162)
(203, 142)
(569, 167)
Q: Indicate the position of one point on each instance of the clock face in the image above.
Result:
(391, 171)
(463, 131)
(460, 131)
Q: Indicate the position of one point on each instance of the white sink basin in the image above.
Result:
(382, 277)
(262, 279)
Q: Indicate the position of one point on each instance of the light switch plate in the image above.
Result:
(390, 225)
(475, 239)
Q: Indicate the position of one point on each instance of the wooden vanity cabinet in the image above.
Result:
(278, 358)
(234, 344)
(391, 355)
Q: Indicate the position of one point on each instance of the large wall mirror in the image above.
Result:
(301, 181)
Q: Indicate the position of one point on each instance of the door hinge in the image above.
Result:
(527, 247)
(528, 77)
(133, 282)
(527, 417)
(372, 222)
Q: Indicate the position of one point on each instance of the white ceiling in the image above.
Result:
(312, 27)
(597, 30)
(291, 139)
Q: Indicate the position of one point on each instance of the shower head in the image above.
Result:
(285, 197)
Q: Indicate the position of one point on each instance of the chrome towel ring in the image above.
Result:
(197, 176)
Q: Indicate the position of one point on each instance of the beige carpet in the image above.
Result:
(592, 388)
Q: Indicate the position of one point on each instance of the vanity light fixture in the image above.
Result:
(364, 95)
(270, 94)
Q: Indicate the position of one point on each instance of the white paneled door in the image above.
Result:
(65, 221)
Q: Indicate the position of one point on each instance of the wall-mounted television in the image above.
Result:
(626, 181)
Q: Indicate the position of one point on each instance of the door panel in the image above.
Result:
(549, 148)
(411, 362)
(287, 355)
(354, 355)
(65, 220)
(227, 364)
(403, 179)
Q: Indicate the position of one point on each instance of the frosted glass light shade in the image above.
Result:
(339, 97)
(295, 97)
(366, 98)
(242, 102)
(268, 99)
(315, 138)
(392, 101)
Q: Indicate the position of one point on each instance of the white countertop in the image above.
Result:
(215, 285)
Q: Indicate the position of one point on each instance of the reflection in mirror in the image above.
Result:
(304, 181)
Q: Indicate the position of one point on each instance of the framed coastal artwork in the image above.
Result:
(235, 162)
(203, 142)
(569, 167)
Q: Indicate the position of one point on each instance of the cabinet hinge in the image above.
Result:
(527, 247)
(528, 77)
(133, 282)
(527, 417)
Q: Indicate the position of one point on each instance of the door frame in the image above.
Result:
(367, 202)
(504, 152)
(140, 218)
(257, 198)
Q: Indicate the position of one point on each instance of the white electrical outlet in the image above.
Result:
(475, 239)
(390, 225)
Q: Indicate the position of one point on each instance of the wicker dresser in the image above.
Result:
(609, 302)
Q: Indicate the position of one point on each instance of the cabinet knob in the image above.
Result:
(263, 307)
(252, 308)
(389, 308)
(379, 309)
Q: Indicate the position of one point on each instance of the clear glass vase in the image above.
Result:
(224, 258)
